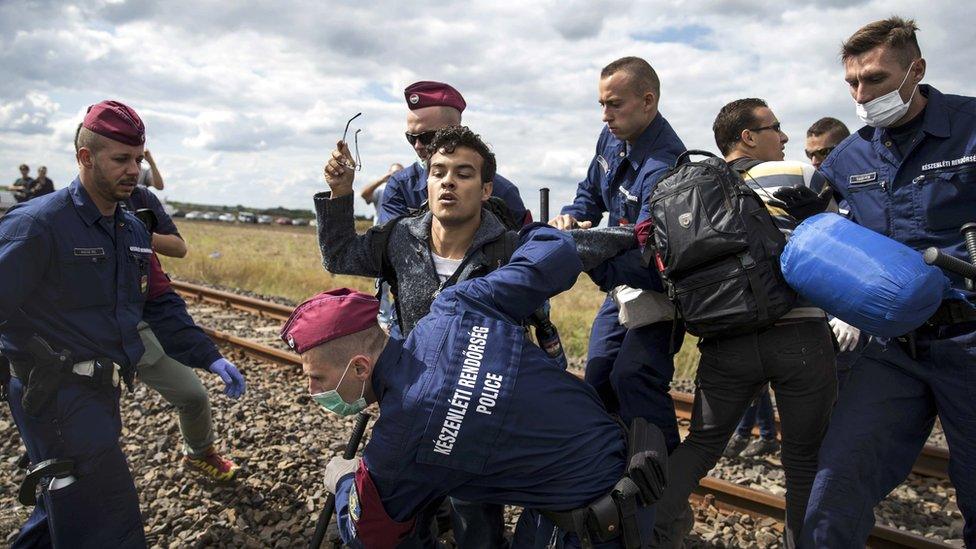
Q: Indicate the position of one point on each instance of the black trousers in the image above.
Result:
(797, 360)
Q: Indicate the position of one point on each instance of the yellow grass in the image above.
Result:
(285, 261)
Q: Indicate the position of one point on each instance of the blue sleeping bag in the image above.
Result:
(862, 277)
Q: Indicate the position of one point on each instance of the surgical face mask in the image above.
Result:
(332, 401)
(884, 111)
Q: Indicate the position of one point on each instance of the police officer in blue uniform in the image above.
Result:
(75, 272)
(631, 370)
(910, 174)
(434, 105)
(470, 408)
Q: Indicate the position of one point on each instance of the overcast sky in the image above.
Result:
(242, 104)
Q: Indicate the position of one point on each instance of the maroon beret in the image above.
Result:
(117, 122)
(433, 94)
(327, 316)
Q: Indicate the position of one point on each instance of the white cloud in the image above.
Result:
(243, 102)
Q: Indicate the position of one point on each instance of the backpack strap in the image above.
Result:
(762, 299)
(744, 164)
(379, 253)
(497, 253)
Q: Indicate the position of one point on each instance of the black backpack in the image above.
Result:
(717, 248)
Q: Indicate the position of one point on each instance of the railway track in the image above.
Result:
(932, 462)
(724, 495)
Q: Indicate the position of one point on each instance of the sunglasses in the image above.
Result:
(819, 153)
(355, 137)
(775, 127)
(425, 137)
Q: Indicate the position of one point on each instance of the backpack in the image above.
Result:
(717, 248)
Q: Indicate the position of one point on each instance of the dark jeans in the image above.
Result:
(761, 412)
(797, 359)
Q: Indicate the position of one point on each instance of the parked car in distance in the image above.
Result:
(194, 215)
(247, 217)
(227, 217)
(211, 216)
(178, 213)
(283, 221)
(265, 219)
(299, 221)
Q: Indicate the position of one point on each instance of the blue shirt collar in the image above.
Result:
(936, 116)
(385, 365)
(86, 207)
(638, 152)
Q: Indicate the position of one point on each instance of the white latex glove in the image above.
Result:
(338, 468)
(846, 334)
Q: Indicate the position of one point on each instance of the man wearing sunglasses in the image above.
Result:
(822, 137)
(433, 106)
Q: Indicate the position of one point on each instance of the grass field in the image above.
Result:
(285, 261)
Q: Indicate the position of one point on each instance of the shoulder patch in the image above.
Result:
(355, 510)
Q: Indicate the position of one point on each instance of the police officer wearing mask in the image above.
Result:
(470, 408)
(632, 370)
(910, 174)
(433, 106)
(76, 276)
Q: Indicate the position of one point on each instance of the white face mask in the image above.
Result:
(884, 111)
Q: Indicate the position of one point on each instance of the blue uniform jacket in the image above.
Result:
(80, 280)
(471, 409)
(923, 198)
(619, 181)
(406, 190)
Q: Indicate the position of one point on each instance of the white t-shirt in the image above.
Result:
(445, 267)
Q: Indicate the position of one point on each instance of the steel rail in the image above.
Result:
(725, 495)
(933, 461)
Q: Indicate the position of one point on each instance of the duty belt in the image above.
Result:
(99, 370)
(952, 312)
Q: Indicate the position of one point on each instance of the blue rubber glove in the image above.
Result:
(233, 380)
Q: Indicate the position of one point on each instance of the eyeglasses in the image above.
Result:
(819, 153)
(424, 137)
(774, 127)
(355, 138)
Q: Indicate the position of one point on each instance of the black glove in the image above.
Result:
(800, 201)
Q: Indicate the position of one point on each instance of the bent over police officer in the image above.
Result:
(77, 278)
(470, 408)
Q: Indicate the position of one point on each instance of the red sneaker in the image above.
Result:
(213, 465)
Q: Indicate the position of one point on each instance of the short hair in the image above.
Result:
(830, 125)
(644, 77)
(88, 139)
(450, 138)
(341, 349)
(894, 32)
(24, 167)
(732, 119)
(42, 168)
